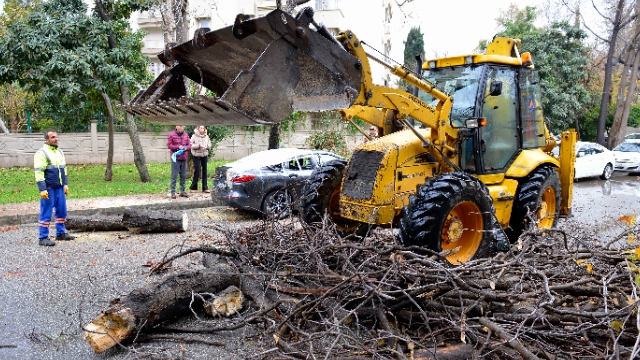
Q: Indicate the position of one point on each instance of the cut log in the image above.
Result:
(145, 307)
(95, 223)
(139, 221)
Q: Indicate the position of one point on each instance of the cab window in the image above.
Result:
(531, 110)
(500, 135)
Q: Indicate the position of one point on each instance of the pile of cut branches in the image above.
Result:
(314, 295)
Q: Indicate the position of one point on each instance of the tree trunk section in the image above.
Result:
(95, 223)
(108, 172)
(627, 91)
(132, 129)
(608, 72)
(182, 33)
(153, 304)
(274, 136)
(139, 221)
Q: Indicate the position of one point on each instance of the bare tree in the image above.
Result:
(630, 58)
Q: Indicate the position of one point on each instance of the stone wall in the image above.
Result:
(91, 148)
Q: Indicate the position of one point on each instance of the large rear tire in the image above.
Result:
(321, 195)
(451, 210)
(538, 194)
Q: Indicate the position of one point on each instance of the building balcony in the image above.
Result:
(149, 19)
(332, 19)
(263, 7)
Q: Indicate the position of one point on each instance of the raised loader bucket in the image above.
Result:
(262, 69)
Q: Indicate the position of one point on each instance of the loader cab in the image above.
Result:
(507, 96)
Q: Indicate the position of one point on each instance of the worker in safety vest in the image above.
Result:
(51, 176)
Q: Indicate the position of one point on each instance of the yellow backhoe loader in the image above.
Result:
(459, 163)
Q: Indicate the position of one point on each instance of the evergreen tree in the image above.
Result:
(414, 45)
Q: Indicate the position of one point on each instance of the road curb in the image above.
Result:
(20, 219)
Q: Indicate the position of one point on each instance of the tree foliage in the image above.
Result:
(414, 45)
(561, 58)
(59, 51)
(589, 122)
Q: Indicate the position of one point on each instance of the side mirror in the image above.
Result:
(495, 88)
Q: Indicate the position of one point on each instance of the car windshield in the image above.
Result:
(459, 81)
(628, 147)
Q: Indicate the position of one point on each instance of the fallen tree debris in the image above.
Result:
(139, 221)
(315, 295)
(157, 302)
(95, 223)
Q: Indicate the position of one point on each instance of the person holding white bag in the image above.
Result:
(200, 145)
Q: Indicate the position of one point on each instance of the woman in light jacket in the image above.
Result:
(200, 145)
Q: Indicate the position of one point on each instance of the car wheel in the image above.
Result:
(452, 211)
(277, 204)
(606, 173)
(538, 194)
(321, 195)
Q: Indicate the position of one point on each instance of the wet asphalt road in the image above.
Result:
(47, 293)
(598, 204)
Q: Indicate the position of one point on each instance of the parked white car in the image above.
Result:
(592, 160)
(628, 157)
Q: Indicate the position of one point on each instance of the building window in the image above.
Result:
(326, 4)
(386, 52)
(204, 23)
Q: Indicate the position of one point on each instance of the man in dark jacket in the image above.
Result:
(179, 144)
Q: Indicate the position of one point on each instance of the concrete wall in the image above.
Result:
(91, 148)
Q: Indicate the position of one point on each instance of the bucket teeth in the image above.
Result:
(192, 111)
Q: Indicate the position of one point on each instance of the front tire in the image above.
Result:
(321, 195)
(607, 172)
(451, 210)
(538, 194)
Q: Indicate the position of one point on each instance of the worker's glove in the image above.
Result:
(66, 189)
(44, 194)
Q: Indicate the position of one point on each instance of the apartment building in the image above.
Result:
(370, 20)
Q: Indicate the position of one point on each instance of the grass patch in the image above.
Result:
(87, 181)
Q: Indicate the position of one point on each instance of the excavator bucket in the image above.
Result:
(261, 70)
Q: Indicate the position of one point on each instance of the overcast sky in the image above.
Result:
(454, 27)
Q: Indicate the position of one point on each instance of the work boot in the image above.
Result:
(184, 194)
(46, 242)
(173, 195)
(64, 237)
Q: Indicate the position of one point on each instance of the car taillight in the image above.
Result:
(243, 178)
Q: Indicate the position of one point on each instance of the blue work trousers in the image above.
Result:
(57, 200)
